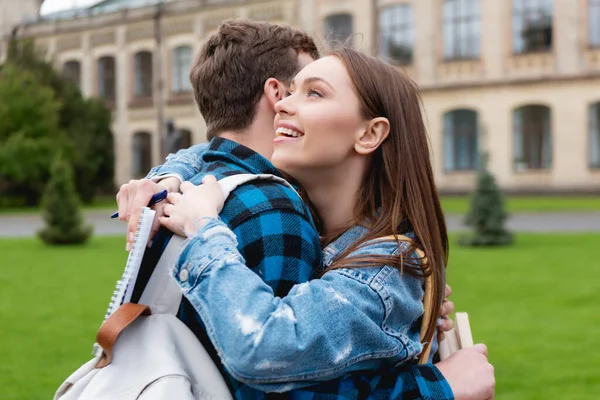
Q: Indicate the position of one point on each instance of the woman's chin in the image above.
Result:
(285, 165)
(282, 159)
(282, 165)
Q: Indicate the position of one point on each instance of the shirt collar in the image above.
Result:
(235, 153)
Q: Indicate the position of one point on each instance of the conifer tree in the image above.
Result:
(486, 215)
(61, 208)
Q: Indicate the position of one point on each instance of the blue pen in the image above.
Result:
(156, 197)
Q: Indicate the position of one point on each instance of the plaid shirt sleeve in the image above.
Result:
(409, 382)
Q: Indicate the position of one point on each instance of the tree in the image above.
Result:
(87, 126)
(61, 208)
(87, 138)
(486, 215)
(30, 134)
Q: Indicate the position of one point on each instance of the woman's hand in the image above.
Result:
(445, 324)
(187, 212)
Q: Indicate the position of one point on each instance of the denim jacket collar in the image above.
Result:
(342, 243)
(352, 235)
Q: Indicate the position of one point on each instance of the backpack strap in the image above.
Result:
(429, 311)
(229, 183)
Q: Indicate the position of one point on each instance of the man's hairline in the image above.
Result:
(286, 82)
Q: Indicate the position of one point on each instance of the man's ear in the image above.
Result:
(274, 91)
(377, 130)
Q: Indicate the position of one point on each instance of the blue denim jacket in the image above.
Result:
(349, 320)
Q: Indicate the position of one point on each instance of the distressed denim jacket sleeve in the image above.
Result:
(184, 164)
(350, 319)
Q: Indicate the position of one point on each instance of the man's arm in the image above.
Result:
(424, 382)
(466, 375)
(183, 165)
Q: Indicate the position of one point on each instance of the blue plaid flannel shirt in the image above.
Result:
(278, 240)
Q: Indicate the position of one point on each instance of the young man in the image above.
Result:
(238, 76)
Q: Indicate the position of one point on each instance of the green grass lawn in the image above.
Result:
(52, 302)
(460, 204)
(536, 307)
(534, 304)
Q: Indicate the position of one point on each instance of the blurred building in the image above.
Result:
(518, 78)
(14, 13)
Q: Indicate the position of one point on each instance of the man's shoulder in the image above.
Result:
(263, 196)
(220, 169)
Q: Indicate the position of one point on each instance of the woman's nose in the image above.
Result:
(285, 106)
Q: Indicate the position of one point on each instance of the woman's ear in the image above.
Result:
(377, 130)
(274, 91)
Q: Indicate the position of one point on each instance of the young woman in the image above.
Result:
(351, 133)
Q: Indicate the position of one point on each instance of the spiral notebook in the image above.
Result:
(124, 287)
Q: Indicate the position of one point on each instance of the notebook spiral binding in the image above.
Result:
(124, 287)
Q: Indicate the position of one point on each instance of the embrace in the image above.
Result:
(310, 295)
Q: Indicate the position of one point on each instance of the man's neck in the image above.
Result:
(252, 140)
(259, 135)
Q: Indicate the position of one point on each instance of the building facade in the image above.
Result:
(14, 13)
(519, 79)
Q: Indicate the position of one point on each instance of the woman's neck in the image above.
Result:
(333, 193)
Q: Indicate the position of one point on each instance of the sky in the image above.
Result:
(56, 5)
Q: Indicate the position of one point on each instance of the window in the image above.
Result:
(186, 138)
(460, 140)
(106, 78)
(462, 29)
(594, 23)
(180, 71)
(532, 137)
(72, 71)
(141, 154)
(594, 144)
(532, 25)
(338, 28)
(396, 33)
(175, 139)
(142, 74)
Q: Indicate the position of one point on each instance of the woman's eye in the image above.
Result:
(287, 93)
(313, 93)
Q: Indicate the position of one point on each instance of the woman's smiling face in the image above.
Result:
(318, 122)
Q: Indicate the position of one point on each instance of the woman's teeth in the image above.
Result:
(288, 132)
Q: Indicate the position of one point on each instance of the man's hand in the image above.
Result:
(447, 308)
(136, 194)
(469, 374)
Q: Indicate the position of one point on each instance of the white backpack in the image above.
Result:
(149, 353)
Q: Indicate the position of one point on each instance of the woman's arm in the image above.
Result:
(319, 331)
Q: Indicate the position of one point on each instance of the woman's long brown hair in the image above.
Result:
(400, 182)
